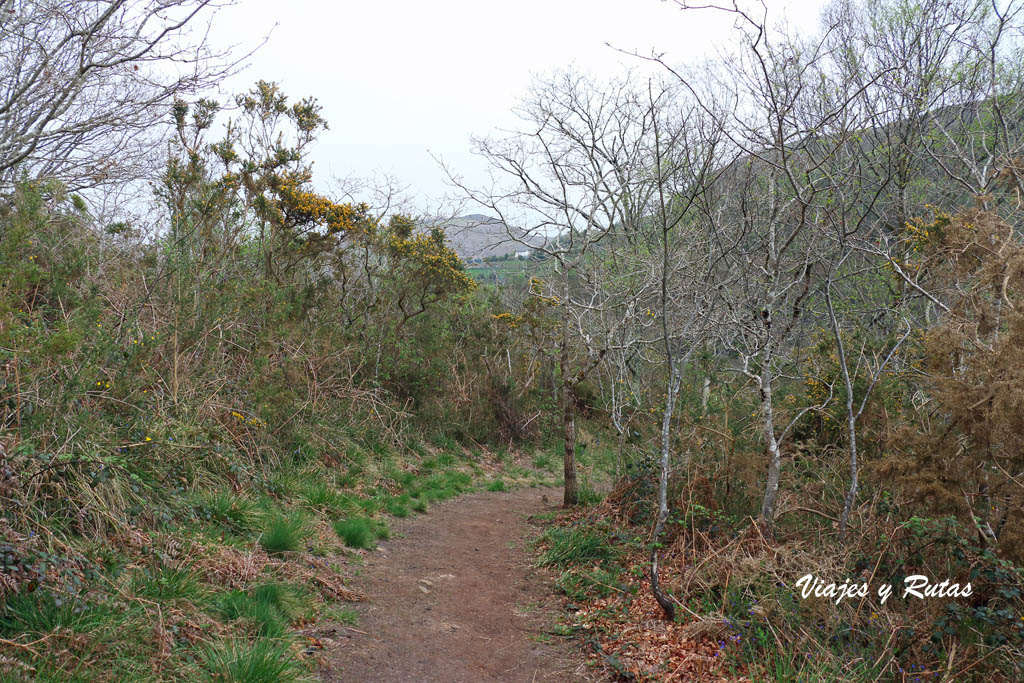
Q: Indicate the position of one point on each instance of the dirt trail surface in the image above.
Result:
(454, 597)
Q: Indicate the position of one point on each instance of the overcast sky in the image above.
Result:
(400, 80)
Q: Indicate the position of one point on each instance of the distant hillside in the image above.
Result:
(477, 237)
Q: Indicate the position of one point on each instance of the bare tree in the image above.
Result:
(569, 176)
(685, 158)
(766, 202)
(873, 363)
(85, 83)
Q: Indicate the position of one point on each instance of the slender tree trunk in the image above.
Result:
(851, 416)
(671, 387)
(667, 606)
(551, 379)
(705, 394)
(771, 488)
(555, 389)
(620, 467)
(851, 494)
(619, 431)
(568, 422)
(569, 458)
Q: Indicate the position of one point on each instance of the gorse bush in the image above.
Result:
(249, 359)
(207, 377)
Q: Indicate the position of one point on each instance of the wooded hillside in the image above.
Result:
(771, 326)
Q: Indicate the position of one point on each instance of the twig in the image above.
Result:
(23, 646)
(803, 509)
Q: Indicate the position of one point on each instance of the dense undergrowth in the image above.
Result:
(201, 419)
(741, 614)
(805, 330)
(224, 585)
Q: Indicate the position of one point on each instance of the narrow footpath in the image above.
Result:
(454, 597)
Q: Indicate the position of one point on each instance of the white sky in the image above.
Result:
(401, 79)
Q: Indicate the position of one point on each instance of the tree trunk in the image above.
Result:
(851, 416)
(771, 488)
(705, 394)
(851, 494)
(667, 606)
(568, 421)
(620, 460)
(569, 435)
(619, 433)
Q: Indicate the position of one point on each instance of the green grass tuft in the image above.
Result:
(235, 513)
(575, 545)
(497, 485)
(270, 608)
(545, 461)
(396, 508)
(356, 532)
(319, 496)
(167, 583)
(583, 584)
(587, 496)
(284, 533)
(42, 612)
(346, 616)
(265, 661)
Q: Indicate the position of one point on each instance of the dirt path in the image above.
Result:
(454, 597)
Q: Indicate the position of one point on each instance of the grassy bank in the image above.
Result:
(221, 587)
(204, 411)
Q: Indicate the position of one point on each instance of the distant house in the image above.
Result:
(522, 255)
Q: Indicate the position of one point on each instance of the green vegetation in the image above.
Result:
(345, 616)
(265, 661)
(576, 545)
(190, 411)
(582, 584)
(507, 272)
(357, 532)
(790, 320)
(236, 513)
(167, 584)
(284, 533)
(269, 607)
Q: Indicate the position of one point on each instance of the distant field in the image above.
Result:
(500, 272)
